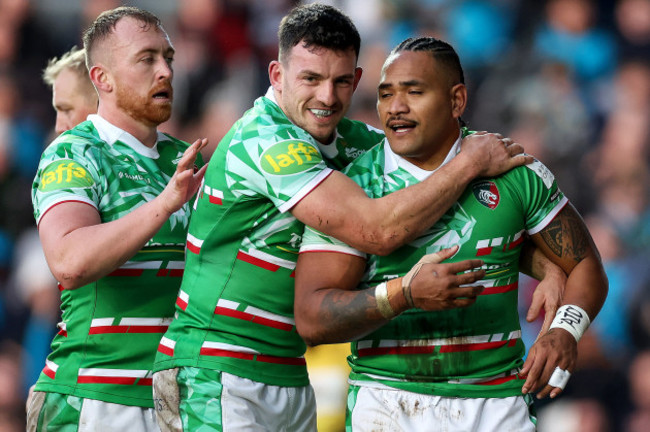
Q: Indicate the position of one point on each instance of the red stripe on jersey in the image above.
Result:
(396, 350)
(484, 251)
(105, 380)
(181, 303)
(63, 333)
(128, 329)
(257, 262)
(233, 313)
(127, 272)
(145, 381)
(217, 352)
(516, 243)
(498, 381)
(214, 200)
(166, 350)
(49, 372)
(472, 346)
(170, 272)
(193, 248)
(60, 287)
(500, 289)
(294, 361)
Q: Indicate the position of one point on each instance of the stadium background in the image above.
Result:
(569, 79)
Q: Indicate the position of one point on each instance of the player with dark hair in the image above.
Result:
(231, 359)
(450, 356)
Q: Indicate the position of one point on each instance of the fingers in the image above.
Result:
(468, 278)
(513, 147)
(190, 154)
(534, 309)
(462, 266)
(520, 160)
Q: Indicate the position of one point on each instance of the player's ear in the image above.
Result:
(275, 75)
(357, 76)
(100, 78)
(458, 96)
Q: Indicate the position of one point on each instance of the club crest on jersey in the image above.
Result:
(290, 157)
(486, 193)
(64, 174)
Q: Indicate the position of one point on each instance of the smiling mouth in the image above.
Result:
(400, 127)
(321, 113)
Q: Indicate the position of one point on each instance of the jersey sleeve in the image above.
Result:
(316, 241)
(541, 196)
(279, 167)
(67, 172)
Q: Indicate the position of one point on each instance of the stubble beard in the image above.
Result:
(142, 108)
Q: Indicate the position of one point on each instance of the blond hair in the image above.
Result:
(75, 60)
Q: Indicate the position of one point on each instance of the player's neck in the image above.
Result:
(432, 160)
(144, 133)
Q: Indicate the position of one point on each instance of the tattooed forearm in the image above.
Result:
(343, 312)
(567, 236)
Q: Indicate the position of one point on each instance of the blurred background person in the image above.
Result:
(73, 94)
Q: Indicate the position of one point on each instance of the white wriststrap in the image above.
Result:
(573, 319)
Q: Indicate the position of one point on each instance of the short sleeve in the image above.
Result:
(315, 241)
(282, 170)
(66, 173)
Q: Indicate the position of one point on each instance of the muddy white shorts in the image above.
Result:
(388, 409)
(53, 412)
(189, 399)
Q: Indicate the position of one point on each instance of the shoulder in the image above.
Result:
(80, 142)
(360, 133)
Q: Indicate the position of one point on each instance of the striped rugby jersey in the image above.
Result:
(470, 352)
(111, 328)
(235, 306)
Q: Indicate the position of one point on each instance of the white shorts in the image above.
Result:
(189, 398)
(53, 412)
(387, 409)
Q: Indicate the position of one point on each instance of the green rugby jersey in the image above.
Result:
(235, 306)
(110, 328)
(470, 352)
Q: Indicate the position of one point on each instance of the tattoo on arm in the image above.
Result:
(345, 314)
(567, 236)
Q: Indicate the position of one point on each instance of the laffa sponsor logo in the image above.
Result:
(64, 174)
(486, 193)
(290, 157)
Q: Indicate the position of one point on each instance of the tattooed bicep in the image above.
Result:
(567, 236)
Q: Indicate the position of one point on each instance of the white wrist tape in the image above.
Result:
(573, 319)
(381, 296)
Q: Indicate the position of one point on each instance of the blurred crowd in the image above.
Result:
(569, 79)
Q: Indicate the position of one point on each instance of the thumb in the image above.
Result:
(440, 256)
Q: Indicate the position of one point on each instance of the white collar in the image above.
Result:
(110, 133)
(393, 161)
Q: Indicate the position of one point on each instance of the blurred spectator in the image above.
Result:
(633, 25)
(639, 378)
